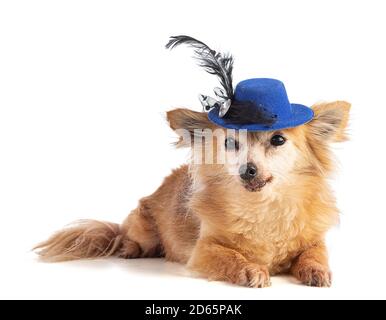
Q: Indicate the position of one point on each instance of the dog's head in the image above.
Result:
(257, 161)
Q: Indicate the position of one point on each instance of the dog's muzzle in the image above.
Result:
(250, 178)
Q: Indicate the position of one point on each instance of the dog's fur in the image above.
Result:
(209, 220)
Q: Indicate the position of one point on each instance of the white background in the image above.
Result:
(83, 90)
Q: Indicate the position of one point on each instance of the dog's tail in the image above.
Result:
(83, 239)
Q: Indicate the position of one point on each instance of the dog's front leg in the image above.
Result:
(311, 266)
(217, 262)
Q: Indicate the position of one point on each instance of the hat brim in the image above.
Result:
(300, 115)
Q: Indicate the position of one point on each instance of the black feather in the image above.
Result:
(213, 62)
(248, 113)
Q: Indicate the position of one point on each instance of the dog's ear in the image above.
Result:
(187, 119)
(187, 124)
(330, 121)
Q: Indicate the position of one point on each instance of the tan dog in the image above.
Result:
(231, 227)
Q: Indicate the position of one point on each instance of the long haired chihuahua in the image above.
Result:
(254, 200)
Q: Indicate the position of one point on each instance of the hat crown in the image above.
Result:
(266, 93)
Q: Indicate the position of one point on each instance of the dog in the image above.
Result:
(270, 218)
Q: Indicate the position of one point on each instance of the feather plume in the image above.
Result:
(213, 62)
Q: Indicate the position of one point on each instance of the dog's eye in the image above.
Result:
(231, 144)
(277, 140)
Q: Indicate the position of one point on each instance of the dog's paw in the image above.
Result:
(315, 275)
(254, 276)
(129, 250)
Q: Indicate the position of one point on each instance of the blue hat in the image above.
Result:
(255, 105)
(266, 96)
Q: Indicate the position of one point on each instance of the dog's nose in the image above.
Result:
(248, 171)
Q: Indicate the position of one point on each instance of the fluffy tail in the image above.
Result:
(83, 239)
